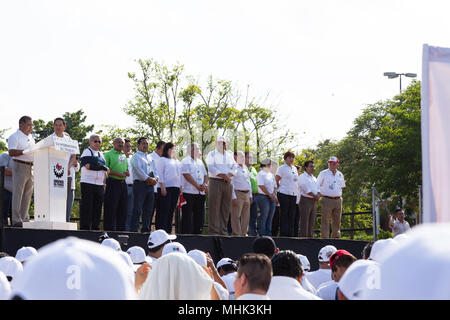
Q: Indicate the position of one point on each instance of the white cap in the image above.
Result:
(112, 243)
(221, 139)
(158, 237)
(360, 277)
(25, 253)
(5, 287)
(381, 248)
(418, 268)
(11, 267)
(137, 255)
(326, 252)
(173, 247)
(126, 258)
(333, 159)
(75, 269)
(224, 261)
(305, 262)
(199, 257)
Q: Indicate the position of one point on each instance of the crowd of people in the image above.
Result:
(72, 268)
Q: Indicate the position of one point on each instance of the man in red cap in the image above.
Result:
(331, 182)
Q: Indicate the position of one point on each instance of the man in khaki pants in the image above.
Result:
(331, 182)
(23, 182)
(242, 197)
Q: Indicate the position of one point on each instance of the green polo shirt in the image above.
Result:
(253, 173)
(116, 161)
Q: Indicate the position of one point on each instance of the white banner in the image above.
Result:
(435, 102)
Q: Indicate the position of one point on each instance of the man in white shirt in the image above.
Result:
(331, 182)
(227, 269)
(195, 185)
(323, 274)
(156, 156)
(241, 197)
(286, 283)
(253, 277)
(399, 225)
(7, 162)
(23, 180)
(221, 167)
(310, 194)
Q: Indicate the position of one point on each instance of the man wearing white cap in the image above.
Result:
(227, 269)
(331, 182)
(11, 267)
(111, 243)
(323, 274)
(5, 287)
(306, 268)
(156, 242)
(361, 276)
(25, 253)
(138, 257)
(221, 167)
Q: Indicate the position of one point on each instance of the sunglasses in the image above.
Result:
(97, 141)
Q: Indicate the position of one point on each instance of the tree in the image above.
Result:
(3, 146)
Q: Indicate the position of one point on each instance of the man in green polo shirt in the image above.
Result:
(254, 205)
(116, 196)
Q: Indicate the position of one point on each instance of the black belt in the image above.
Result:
(334, 198)
(245, 191)
(24, 162)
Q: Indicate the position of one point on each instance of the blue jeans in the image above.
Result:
(129, 207)
(143, 199)
(267, 210)
(252, 231)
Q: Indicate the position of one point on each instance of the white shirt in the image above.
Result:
(289, 180)
(129, 180)
(316, 278)
(327, 291)
(266, 179)
(72, 169)
(197, 170)
(241, 180)
(155, 158)
(399, 227)
(308, 183)
(308, 286)
(91, 176)
(219, 163)
(229, 279)
(20, 141)
(253, 296)
(287, 288)
(331, 184)
(221, 291)
(7, 161)
(169, 171)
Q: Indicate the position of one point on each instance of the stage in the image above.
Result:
(13, 239)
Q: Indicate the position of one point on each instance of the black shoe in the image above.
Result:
(18, 225)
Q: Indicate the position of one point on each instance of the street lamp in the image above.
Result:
(392, 75)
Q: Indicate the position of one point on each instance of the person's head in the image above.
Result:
(26, 125)
(339, 262)
(59, 125)
(254, 274)
(324, 256)
(399, 214)
(289, 158)
(240, 158)
(160, 147)
(360, 277)
(265, 245)
(265, 165)
(173, 247)
(26, 253)
(11, 267)
(118, 144)
(309, 166)
(287, 264)
(367, 249)
(95, 142)
(3, 254)
(299, 169)
(127, 147)
(142, 144)
(156, 242)
(169, 150)
(226, 266)
(221, 144)
(333, 164)
(193, 150)
(248, 159)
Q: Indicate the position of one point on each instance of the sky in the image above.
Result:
(321, 61)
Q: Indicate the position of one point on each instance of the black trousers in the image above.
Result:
(193, 213)
(288, 211)
(276, 222)
(116, 204)
(297, 220)
(91, 206)
(167, 206)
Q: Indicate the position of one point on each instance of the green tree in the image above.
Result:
(3, 146)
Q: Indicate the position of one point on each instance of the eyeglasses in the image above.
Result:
(97, 141)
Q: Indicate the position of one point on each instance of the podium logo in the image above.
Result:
(58, 170)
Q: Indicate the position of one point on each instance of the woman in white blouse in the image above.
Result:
(170, 182)
(266, 198)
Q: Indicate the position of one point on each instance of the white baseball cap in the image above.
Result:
(126, 258)
(25, 253)
(326, 252)
(305, 262)
(158, 237)
(418, 268)
(173, 247)
(224, 261)
(11, 267)
(361, 276)
(199, 257)
(381, 249)
(333, 159)
(75, 269)
(5, 287)
(112, 243)
(137, 255)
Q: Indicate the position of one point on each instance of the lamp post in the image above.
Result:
(392, 75)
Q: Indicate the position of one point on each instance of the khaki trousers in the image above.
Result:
(23, 183)
(219, 203)
(308, 212)
(240, 214)
(331, 211)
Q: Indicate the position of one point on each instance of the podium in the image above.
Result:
(51, 160)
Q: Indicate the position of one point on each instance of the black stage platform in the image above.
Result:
(13, 239)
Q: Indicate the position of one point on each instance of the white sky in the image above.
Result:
(322, 61)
